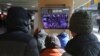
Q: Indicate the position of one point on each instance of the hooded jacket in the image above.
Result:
(64, 38)
(17, 23)
(17, 19)
(83, 45)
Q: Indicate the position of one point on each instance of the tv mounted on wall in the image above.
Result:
(55, 18)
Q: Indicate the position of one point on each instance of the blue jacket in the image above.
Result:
(64, 38)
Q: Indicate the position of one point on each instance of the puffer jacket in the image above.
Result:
(52, 52)
(18, 29)
(83, 45)
(20, 36)
(64, 38)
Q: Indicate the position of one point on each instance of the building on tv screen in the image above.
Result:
(55, 18)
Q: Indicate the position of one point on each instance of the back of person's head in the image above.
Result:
(52, 41)
(80, 22)
(17, 18)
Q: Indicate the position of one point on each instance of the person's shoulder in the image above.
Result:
(94, 47)
(17, 36)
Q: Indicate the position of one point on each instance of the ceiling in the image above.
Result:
(32, 4)
(79, 3)
(27, 4)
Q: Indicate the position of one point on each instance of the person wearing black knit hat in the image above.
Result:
(84, 42)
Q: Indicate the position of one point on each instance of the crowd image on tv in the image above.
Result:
(55, 21)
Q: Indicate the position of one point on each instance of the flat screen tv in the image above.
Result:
(55, 18)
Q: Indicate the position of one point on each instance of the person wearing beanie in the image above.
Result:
(84, 42)
(53, 47)
(18, 41)
(64, 38)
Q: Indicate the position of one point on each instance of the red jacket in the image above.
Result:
(52, 52)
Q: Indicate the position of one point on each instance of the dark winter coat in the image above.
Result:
(83, 45)
(17, 24)
(19, 36)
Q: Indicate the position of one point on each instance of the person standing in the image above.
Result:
(84, 42)
(17, 24)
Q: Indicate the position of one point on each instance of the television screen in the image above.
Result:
(55, 18)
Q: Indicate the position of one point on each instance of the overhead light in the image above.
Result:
(9, 4)
(5, 13)
(66, 9)
(26, 8)
(33, 6)
(5, 8)
(0, 12)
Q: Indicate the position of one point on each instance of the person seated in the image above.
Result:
(84, 42)
(53, 47)
(18, 41)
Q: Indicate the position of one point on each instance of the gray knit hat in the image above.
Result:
(52, 41)
(81, 22)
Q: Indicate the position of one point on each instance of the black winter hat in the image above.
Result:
(81, 22)
(17, 12)
(17, 16)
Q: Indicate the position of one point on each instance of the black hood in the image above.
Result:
(17, 19)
